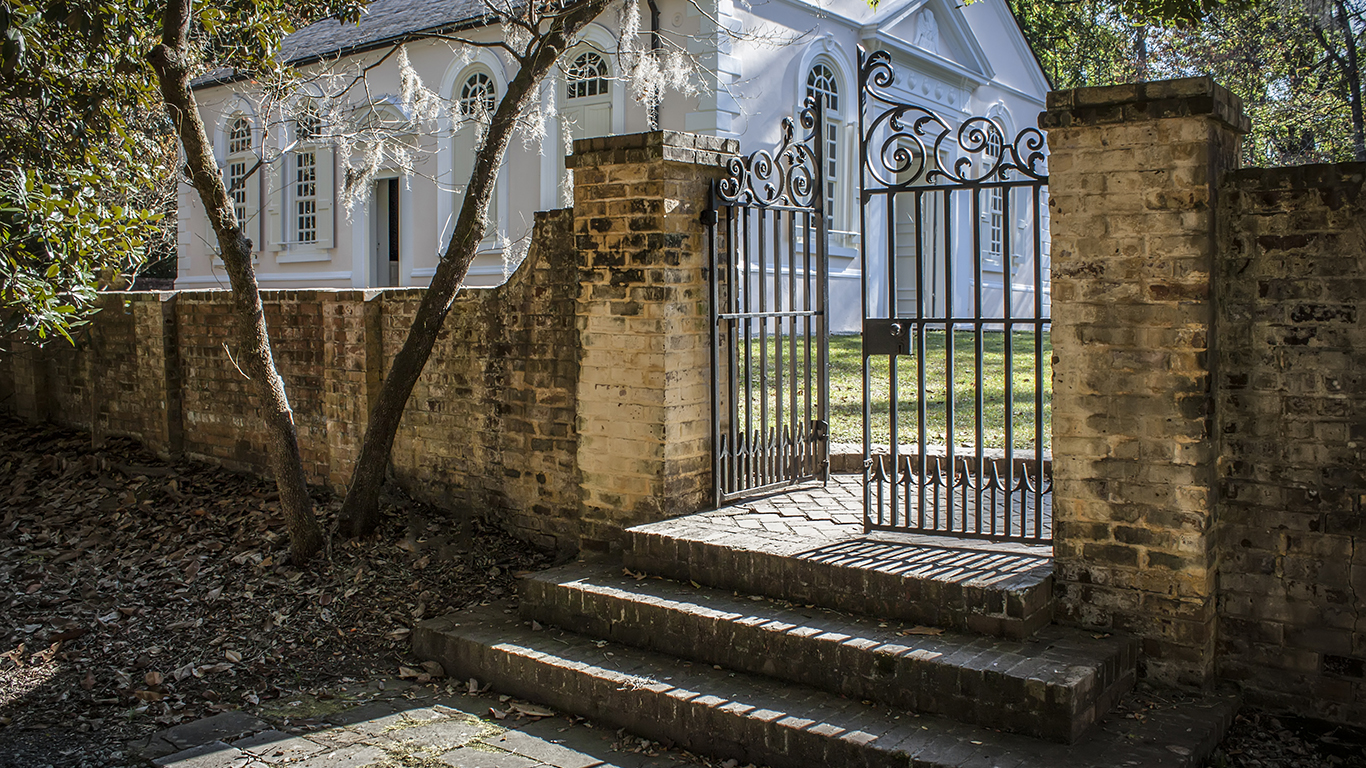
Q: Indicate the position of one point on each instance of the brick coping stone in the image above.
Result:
(751, 719)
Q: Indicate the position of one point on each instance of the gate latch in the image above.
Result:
(886, 336)
(819, 430)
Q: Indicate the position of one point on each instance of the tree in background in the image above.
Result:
(1295, 63)
(86, 183)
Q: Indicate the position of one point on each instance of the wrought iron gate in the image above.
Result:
(954, 283)
(767, 235)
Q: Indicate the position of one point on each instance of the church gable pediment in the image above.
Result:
(935, 30)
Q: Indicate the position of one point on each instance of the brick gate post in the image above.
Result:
(1133, 172)
(644, 379)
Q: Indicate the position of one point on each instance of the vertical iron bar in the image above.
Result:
(763, 346)
(894, 393)
(794, 424)
(978, 401)
(1007, 294)
(779, 469)
(861, 160)
(736, 284)
(806, 305)
(823, 288)
(948, 355)
(920, 414)
(751, 459)
(1038, 371)
(718, 481)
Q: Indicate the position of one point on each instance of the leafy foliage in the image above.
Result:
(1292, 62)
(85, 193)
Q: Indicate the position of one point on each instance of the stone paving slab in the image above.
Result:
(730, 714)
(451, 730)
(1054, 685)
(808, 546)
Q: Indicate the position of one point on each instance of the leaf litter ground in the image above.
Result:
(136, 594)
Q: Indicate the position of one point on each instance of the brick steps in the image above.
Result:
(755, 719)
(999, 590)
(1054, 686)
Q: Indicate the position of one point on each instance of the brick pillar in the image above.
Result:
(644, 378)
(1133, 172)
(352, 371)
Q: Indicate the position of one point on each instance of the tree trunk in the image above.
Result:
(1352, 74)
(360, 510)
(170, 59)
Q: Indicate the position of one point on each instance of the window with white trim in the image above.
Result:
(822, 84)
(476, 99)
(994, 215)
(477, 95)
(239, 153)
(306, 197)
(587, 76)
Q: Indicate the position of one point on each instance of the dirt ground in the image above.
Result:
(136, 595)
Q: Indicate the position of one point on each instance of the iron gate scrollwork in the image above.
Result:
(936, 202)
(767, 235)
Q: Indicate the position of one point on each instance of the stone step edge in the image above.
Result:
(729, 715)
(1032, 687)
(1016, 607)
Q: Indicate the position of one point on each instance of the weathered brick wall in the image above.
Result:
(491, 423)
(569, 402)
(1291, 417)
(1133, 173)
(220, 413)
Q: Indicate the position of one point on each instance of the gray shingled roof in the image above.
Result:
(384, 20)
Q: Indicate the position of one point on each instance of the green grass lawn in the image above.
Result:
(846, 390)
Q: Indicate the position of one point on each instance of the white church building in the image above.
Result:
(758, 62)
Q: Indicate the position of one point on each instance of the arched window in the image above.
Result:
(587, 76)
(994, 215)
(477, 95)
(239, 157)
(239, 136)
(585, 111)
(304, 192)
(822, 84)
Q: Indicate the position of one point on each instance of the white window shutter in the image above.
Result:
(327, 194)
(275, 176)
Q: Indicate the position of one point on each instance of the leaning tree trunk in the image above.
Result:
(170, 59)
(360, 510)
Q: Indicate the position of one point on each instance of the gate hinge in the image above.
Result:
(709, 217)
(819, 430)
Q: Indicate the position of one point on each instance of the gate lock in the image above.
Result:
(886, 336)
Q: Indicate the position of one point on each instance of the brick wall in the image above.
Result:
(1291, 413)
(1132, 187)
(569, 402)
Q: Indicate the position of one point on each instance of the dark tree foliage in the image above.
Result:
(1294, 62)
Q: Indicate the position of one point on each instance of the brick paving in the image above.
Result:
(824, 523)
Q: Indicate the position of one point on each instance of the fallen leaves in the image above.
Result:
(142, 594)
(922, 631)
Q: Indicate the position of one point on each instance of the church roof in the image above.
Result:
(384, 22)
